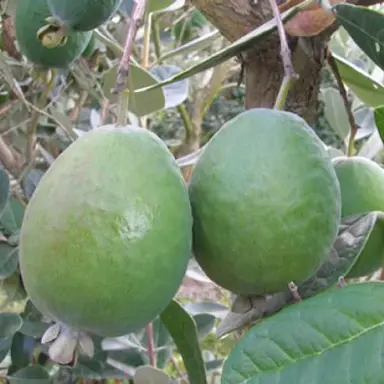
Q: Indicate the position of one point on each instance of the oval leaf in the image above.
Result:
(365, 26)
(335, 112)
(175, 93)
(33, 374)
(10, 323)
(183, 331)
(8, 259)
(366, 88)
(150, 375)
(12, 217)
(143, 103)
(379, 121)
(335, 337)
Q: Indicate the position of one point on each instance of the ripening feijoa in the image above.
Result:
(107, 235)
(265, 202)
(83, 15)
(362, 190)
(30, 17)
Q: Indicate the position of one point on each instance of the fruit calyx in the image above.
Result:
(54, 34)
(66, 344)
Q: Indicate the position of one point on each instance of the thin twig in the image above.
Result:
(150, 347)
(135, 22)
(289, 72)
(343, 93)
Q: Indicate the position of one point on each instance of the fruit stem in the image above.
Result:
(122, 108)
(353, 127)
(150, 345)
(289, 72)
(137, 14)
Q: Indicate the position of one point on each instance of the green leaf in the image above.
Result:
(10, 323)
(176, 93)
(365, 26)
(150, 375)
(4, 189)
(204, 323)
(140, 104)
(12, 216)
(183, 331)
(335, 337)
(196, 45)
(379, 121)
(9, 258)
(335, 112)
(354, 233)
(365, 87)
(21, 350)
(33, 374)
(234, 49)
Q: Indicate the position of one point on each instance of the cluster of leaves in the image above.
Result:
(330, 326)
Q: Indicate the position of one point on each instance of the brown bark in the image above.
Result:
(263, 66)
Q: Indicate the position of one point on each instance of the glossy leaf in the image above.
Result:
(143, 103)
(335, 112)
(150, 375)
(183, 331)
(335, 337)
(10, 323)
(4, 189)
(8, 259)
(354, 232)
(365, 26)
(366, 88)
(33, 374)
(234, 49)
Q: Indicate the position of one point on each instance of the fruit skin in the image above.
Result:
(29, 18)
(90, 48)
(362, 190)
(83, 15)
(265, 202)
(107, 234)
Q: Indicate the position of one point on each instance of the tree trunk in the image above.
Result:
(263, 64)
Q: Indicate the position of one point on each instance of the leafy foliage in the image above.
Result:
(183, 85)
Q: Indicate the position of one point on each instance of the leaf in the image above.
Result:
(335, 112)
(33, 374)
(8, 259)
(183, 331)
(12, 216)
(150, 375)
(379, 121)
(140, 104)
(354, 232)
(4, 189)
(238, 46)
(206, 307)
(10, 323)
(365, 26)
(196, 45)
(31, 181)
(365, 87)
(204, 324)
(175, 93)
(21, 350)
(335, 337)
